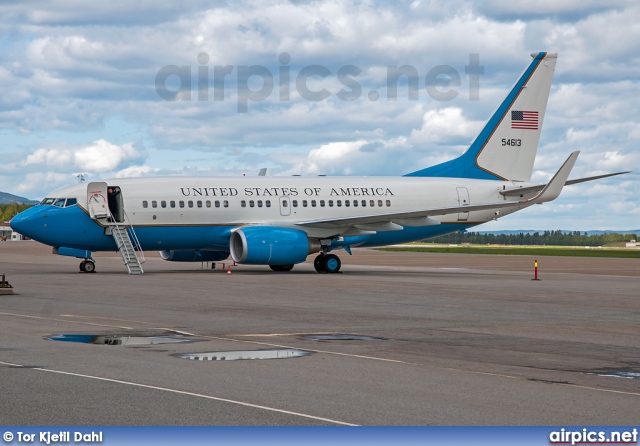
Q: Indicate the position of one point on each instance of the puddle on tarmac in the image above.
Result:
(117, 339)
(286, 353)
(626, 372)
(341, 337)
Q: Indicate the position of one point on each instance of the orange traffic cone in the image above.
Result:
(229, 271)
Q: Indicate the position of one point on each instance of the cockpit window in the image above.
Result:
(60, 202)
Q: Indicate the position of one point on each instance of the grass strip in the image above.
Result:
(522, 251)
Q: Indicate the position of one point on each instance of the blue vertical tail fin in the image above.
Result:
(506, 147)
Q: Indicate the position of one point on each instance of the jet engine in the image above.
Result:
(269, 245)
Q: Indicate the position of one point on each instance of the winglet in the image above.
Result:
(553, 188)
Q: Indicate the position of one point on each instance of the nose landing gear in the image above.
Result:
(327, 263)
(87, 266)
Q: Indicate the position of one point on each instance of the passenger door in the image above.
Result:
(97, 200)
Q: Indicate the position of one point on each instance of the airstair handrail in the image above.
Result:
(134, 238)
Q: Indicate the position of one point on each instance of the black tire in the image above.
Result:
(318, 264)
(332, 263)
(89, 267)
(82, 264)
(281, 268)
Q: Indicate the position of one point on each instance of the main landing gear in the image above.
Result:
(281, 268)
(87, 266)
(324, 264)
(327, 263)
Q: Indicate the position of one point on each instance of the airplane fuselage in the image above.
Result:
(170, 213)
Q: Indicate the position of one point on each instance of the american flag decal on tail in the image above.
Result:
(524, 120)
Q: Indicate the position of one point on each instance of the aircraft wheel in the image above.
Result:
(89, 266)
(332, 263)
(82, 264)
(281, 268)
(318, 264)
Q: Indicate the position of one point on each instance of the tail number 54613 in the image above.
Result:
(511, 142)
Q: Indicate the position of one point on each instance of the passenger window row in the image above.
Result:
(267, 203)
(252, 203)
(339, 203)
(181, 203)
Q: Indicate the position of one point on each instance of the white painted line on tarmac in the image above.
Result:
(397, 361)
(63, 320)
(274, 335)
(182, 392)
(104, 318)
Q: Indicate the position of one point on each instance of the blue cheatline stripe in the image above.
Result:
(465, 166)
(75, 230)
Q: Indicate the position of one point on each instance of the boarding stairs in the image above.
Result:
(128, 244)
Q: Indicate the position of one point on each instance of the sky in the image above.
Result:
(131, 88)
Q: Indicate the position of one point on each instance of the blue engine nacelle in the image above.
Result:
(183, 255)
(270, 245)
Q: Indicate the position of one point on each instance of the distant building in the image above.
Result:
(633, 244)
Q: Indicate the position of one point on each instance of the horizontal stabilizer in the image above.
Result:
(539, 187)
(597, 177)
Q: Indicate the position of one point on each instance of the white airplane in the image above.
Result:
(279, 221)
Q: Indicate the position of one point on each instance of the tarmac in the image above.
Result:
(446, 339)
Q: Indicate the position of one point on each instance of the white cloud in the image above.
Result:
(618, 161)
(136, 171)
(331, 155)
(567, 9)
(34, 183)
(396, 155)
(102, 156)
(445, 125)
(97, 157)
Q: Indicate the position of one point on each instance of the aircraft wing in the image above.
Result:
(526, 190)
(407, 215)
(396, 220)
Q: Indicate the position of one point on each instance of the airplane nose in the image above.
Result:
(24, 222)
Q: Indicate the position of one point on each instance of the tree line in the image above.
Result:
(8, 211)
(552, 238)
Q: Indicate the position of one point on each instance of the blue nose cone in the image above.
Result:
(26, 222)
